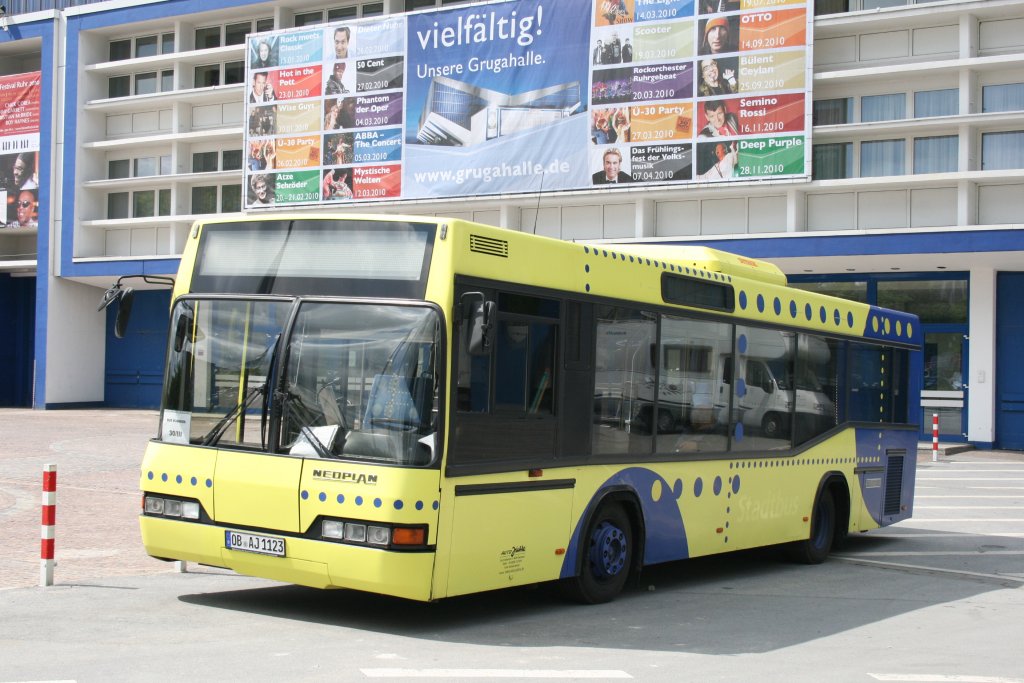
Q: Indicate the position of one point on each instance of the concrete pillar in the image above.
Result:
(981, 384)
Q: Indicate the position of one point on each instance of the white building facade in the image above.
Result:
(916, 200)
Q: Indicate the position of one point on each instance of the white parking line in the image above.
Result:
(927, 534)
(495, 673)
(946, 479)
(1002, 578)
(967, 507)
(976, 496)
(1014, 470)
(936, 553)
(943, 678)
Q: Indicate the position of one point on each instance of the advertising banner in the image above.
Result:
(529, 96)
(19, 149)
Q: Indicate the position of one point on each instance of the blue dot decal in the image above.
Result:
(741, 387)
(837, 316)
(322, 497)
(677, 488)
(586, 268)
(194, 481)
(586, 250)
(359, 500)
(178, 479)
(436, 505)
(777, 305)
(743, 300)
(698, 487)
(150, 475)
(419, 504)
(808, 311)
(377, 502)
(760, 304)
(741, 343)
(849, 320)
(305, 495)
(588, 287)
(341, 498)
(398, 505)
(823, 314)
(717, 487)
(163, 477)
(209, 483)
(792, 309)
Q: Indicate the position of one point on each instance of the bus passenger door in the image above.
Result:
(508, 516)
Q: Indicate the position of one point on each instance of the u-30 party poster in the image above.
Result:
(528, 96)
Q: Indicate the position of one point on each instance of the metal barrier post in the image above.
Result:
(46, 562)
(935, 437)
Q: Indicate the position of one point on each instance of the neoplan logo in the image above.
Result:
(347, 477)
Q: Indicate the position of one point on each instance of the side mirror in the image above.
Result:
(478, 316)
(182, 330)
(124, 312)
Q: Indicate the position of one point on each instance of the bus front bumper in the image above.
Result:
(307, 562)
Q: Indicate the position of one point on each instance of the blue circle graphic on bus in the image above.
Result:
(150, 476)
(377, 502)
(738, 431)
(341, 498)
(777, 305)
(178, 479)
(792, 309)
(741, 387)
(736, 483)
(677, 489)
(322, 497)
(808, 311)
(743, 300)
(741, 343)
(698, 487)
(193, 481)
(760, 303)
(304, 495)
(717, 487)
(849, 319)
(399, 505)
(359, 500)
(163, 477)
(209, 483)
(419, 504)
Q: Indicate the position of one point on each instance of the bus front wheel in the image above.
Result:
(606, 556)
(816, 548)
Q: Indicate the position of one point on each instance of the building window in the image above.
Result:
(143, 205)
(309, 18)
(117, 205)
(234, 72)
(936, 155)
(204, 199)
(119, 168)
(146, 46)
(934, 301)
(207, 75)
(881, 158)
(833, 112)
(831, 161)
(854, 291)
(119, 86)
(234, 34)
(1006, 97)
(208, 37)
(165, 164)
(1002, 151)
(231, 160)
(231, 198)
(339, 13)
(166, 43)
(373, 9)
(204, 162)
(145, 84)
(145, 166)
(883, 107)
(164, 207)
(936, 103)
(831, 7)
(166, 81)
(120, 49)
(264, 25)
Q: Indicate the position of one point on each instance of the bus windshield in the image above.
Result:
(358, 382)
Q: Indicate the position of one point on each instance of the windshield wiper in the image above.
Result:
(292, 404)
(213, 436)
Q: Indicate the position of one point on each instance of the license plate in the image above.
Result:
(254, 543)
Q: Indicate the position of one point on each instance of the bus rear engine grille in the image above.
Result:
(488, 245)
(893, 482)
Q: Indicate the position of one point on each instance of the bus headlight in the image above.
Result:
(378, 535)
(176, 508)
(332, 528)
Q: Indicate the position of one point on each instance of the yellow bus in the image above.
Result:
(428, 407)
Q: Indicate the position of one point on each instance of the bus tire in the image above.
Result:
(666, 422)
(606, 555)
(816, 548)
(771, 425)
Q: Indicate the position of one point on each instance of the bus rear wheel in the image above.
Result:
(606, 557)
(816, 548)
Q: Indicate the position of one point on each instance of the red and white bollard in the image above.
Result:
(935, 437)
(49, 524)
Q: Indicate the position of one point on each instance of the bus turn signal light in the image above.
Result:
(401, 535)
